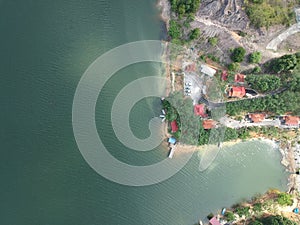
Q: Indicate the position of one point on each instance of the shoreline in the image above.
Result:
(285, 149)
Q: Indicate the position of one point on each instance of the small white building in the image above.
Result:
(208, 70)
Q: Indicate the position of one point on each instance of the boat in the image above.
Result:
(223, 211)
(172, 151)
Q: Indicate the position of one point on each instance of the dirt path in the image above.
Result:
(283, 36)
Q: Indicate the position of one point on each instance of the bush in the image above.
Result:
(255, 57)
(243, 211)
(238, 54)
(213, 41)
(195, 34)
(269, 13)
(284, 199)
(257, 207)
(234, 66)
(256, 69)
(229, 216)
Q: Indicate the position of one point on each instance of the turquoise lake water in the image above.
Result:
(45, 48)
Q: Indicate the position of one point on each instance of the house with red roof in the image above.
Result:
(257, 117)
(174, 126)
(239, 78)
(292, 121)
(199, 110)
(237, 92)
(208, 124)
(214, 221)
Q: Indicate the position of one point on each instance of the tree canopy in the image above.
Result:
(255, 57)
(284, 63)
(195, 34)
(264, 83)
(184, 7)
(174, 29)
(238, 54)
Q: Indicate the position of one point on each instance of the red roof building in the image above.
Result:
(291, 120)
(224, 75)
(199, 110)
(208, 124)
(239, 78)
(174, 126)
(257, 117)
(214, 221)
(237, 92)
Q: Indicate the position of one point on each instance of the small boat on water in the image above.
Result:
(223, 211)
(200, 222)
(172, 151)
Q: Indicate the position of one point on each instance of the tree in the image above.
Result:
(255, 57)
(277, 220)
(238, 54)
(213, 41)
(264, 83)
(195, 34)
(284, 63)
(174, 29)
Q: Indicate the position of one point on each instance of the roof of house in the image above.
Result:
(199, 110)
(239, 78)
(224, 75)
(174, 126)
(208, 124)
(238, 92)
(172, 140)
(257, 117)
(208, 70)
(191, 67)
(291, 120)
(214, 221)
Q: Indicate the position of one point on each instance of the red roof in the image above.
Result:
(238, 92)
(174, 126)
(239, 78)
(292, 120)
(214, 221)
(257, 117)
(208, 124)
(200, 110)
(224, 75)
